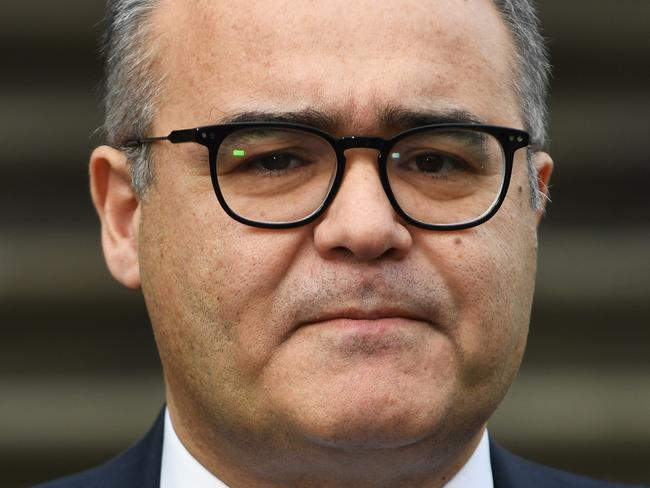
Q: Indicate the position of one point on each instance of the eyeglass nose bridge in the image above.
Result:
(361, 142)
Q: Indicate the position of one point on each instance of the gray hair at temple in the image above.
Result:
(132, 81)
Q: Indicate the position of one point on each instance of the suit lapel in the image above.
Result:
(502, 474)
(139, 467)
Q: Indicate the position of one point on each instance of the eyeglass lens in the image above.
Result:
(441, 176)
(446, 176)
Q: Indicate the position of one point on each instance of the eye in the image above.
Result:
(429, 163)
(436, 163)
(275, 164)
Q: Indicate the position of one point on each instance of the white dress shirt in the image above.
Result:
(181, 470)
(477, 471)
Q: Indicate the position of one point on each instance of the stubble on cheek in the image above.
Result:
(206, 289)
(197, 344)
(171, 262)
(489, 270)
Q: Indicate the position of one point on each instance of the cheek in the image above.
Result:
(204, 275)
(496, 301)
(490, 272)
(506, 275)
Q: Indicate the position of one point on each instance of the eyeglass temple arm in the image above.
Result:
(175, 137)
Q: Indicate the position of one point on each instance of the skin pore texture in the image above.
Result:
(356, 350)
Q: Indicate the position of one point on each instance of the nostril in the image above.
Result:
(362, 239)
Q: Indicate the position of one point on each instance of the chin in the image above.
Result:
(372, 418)
(342, 395)
(364, 437)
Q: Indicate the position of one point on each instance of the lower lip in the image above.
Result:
(368, 326)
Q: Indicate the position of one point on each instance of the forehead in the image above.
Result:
(351, 59)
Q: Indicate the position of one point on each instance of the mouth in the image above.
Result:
(366, 333)
(367, 321)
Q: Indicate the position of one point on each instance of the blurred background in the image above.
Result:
(79, 376)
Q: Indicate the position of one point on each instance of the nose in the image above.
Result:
(361, 221)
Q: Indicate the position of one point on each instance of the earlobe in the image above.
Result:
(544, 169)
(118, 208)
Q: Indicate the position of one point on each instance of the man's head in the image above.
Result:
(355, 337)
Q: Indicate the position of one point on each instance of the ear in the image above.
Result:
(544, 169)
(119, 212)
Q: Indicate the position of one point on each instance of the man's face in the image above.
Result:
(357, 330)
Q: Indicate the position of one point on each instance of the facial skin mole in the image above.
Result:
(458, 241)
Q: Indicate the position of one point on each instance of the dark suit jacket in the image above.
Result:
(139, 467)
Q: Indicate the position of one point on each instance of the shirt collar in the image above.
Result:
(477, 471)
(180, 469)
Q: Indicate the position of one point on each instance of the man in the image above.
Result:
(337, 240)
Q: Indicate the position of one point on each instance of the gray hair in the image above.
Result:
(531, 82)
(132, 83)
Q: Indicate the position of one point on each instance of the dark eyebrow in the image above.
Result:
(391, 117)
(310, 117)
(403, 118)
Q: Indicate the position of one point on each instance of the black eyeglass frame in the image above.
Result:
(212, 136)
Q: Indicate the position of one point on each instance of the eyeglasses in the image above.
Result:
(279, 175)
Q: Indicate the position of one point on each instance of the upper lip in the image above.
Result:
(354, 313)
